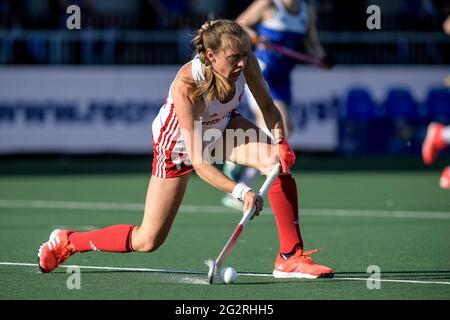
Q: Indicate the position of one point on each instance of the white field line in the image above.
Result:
(205, 273)
(112, 206)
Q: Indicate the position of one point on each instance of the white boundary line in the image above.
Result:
(112, 206)
(205, 273)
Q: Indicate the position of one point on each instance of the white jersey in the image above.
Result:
(166, 130)
(284, 21)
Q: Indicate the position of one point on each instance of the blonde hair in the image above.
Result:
(210, 36)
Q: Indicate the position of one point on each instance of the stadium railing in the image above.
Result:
(112, 46)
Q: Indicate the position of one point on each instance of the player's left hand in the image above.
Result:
(286, 155)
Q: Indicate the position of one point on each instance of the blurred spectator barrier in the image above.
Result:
(112, 46)
(95, 109)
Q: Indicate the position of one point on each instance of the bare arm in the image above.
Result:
(312, 42)
(258, 87)
(251, 16)
(187, 111)
(446, 25)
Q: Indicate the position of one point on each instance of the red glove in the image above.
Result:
(286, 155)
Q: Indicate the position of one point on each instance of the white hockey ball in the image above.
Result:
(228, 275)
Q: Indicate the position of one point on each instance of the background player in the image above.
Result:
(436, 140)
(292, 24)
(438, 135)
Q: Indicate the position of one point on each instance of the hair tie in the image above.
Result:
(207, 25)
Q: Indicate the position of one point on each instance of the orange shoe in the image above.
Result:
(444, 181)
(433, 143)
(300, 265)
(55, 251)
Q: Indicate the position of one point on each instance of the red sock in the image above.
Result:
(115, 238)
(441, 144)
(284, 202)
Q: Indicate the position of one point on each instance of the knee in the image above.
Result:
(146, 243)
(147, 246)
(150, 247)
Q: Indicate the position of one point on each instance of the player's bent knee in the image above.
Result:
(148, 246)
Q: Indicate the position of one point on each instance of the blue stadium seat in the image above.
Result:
(437, 104)
(402, 121)
(361, 130)
(399, 103)
(359, 104)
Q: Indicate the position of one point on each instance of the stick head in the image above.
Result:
(212, 270)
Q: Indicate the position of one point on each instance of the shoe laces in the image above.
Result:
(305, 256)
(64, 253)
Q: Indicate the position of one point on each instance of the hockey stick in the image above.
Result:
(214, 266)
(296, 55)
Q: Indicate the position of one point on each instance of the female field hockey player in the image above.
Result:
(201, 100)
(292, 24)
